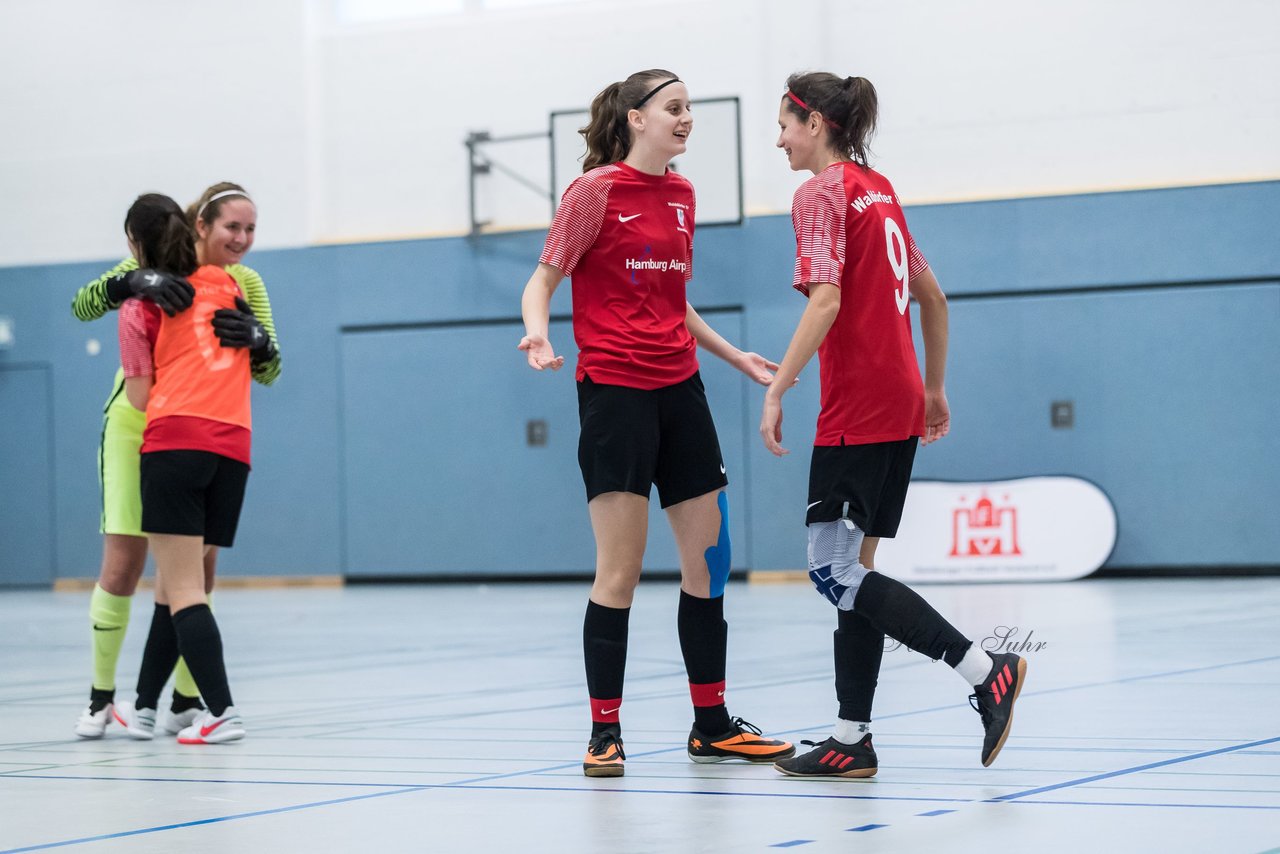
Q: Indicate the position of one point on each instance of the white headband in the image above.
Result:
(222, 195)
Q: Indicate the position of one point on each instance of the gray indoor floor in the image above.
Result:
(453, 718)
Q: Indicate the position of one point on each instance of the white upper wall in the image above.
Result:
(355, 132)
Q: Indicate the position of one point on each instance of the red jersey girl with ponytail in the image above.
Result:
(859, 267)
(624, 233)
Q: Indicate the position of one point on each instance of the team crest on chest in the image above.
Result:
(679, 208)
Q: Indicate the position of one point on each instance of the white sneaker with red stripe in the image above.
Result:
(209, 728)
(832, 759)
(139, 723)
(994, 699)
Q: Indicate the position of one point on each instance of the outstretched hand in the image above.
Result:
(757, 367)
(540, 353)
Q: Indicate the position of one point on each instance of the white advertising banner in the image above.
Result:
(1029, 529)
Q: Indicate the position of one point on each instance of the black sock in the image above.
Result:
(181, 702)
(201, 646)
(859, 646)
(604, 647)
(100, 697)
(158, 658)
(704, 639)
(900, 612)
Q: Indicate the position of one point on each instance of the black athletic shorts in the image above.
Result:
(870, 479)
(634, 438)
(194, 493)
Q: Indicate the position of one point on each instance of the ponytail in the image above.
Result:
(848, 105)
(607, 133)
(165, 241)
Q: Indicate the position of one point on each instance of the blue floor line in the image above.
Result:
(801, 795)
(1131, 804)
(1136, 769)
(125, 833)
(473, 783)
(228, 782)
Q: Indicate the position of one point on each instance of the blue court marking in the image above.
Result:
(405, 787)
(866, 827)
(19, 776)
(471, 783)
(1128, 804)
(217, 819)
(793, 843)
(1125, 679)
(934, 812)
(1135, 770)
(801, 795)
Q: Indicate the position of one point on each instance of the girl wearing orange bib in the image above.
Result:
(194, 464)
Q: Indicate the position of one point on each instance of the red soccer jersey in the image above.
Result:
(850, 231)
(626, 239)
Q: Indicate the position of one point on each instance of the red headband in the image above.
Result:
(806, 107)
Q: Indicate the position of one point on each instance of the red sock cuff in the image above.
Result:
(710, 694)
(605, 711)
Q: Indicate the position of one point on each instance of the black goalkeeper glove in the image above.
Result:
(237, 327)
(172, 293)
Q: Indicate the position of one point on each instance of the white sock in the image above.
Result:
(852, 732)
(975, 665)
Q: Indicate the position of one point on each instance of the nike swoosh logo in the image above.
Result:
(722, 471)
(98, 628)
(610, 711)
(813, 505)
(719, 693)
(206, 730)
(622, 218)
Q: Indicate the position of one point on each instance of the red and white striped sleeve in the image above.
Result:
(577, 221)
(916, 263)
(137, 330)
(817, 214)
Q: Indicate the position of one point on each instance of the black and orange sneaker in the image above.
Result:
(743, 741)
(994, 700)
(832, 758)
(604, 755)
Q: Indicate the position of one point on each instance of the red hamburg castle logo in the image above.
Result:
(985, 530)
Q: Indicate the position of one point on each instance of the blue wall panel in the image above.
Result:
(1175, 388)
(26, 478)
(439, 479)
(1169, 411)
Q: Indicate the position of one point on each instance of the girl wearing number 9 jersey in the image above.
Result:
(859, 267)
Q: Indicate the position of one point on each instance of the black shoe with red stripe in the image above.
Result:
(994, 700)
(832, 759)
